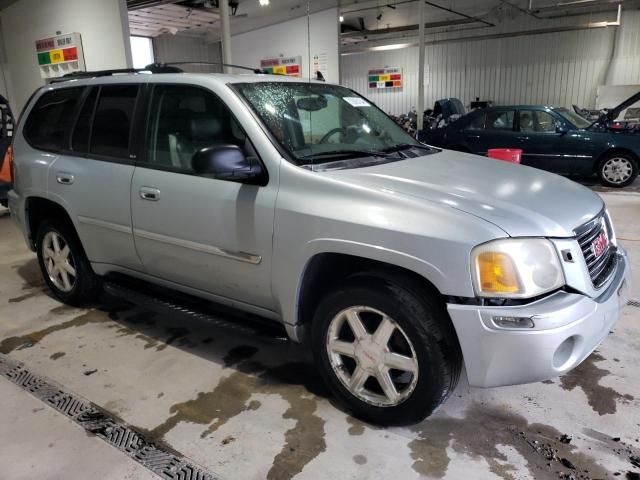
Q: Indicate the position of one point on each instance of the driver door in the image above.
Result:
(207, 234)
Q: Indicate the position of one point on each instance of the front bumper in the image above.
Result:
(568, 327)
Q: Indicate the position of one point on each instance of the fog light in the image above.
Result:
(514, 322)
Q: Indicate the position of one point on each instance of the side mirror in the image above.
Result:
(227, 162)
(561, 129)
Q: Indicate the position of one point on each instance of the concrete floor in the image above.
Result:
(252, 407)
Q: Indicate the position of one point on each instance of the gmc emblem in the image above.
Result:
(600, 244)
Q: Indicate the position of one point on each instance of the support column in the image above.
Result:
(226, 34)
(420, 107)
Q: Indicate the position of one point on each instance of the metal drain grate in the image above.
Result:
(162, 461)
(634, 303)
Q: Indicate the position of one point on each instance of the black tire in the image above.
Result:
(627, 158)
(87, 285)
(423, 319)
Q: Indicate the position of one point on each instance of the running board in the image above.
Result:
(164, 301)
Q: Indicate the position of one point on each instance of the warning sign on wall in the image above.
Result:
(60, 55)
(385, 77)
(290, 66)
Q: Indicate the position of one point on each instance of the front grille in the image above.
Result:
(601, 268)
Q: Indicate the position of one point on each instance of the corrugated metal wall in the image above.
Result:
(182, 48)
(560, 68)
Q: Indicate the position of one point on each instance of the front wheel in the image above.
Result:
(387, 351)
(618, 170)
(64, 265)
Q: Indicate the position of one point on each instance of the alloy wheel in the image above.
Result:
(617, 170)
(58, 261)
(372, 356)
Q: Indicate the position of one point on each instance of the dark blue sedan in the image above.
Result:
(553, 139)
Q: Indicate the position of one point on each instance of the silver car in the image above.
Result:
(302, 202)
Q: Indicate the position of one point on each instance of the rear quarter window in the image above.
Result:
(49, 123)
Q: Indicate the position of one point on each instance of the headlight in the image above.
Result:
(516, 268)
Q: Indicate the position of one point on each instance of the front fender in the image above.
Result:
(288, 282)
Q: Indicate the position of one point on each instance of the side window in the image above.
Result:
(80, 137)
(500, 120)
(477, 123)
(536, 121)
(51, 118)
(112, 120)
(544, 122)
(185, 119)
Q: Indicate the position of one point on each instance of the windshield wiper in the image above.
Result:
(345, 154)
(405, 146)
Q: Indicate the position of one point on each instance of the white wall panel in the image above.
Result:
(561, 68)
(182, 48)
(291, 38)
(104, 30)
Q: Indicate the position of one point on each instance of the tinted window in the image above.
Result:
(186, 119)
(500, 120)
(477, 123)
(80, 138)
(536, 121)
(112, 120)
(49, 123)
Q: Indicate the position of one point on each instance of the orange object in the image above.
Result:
(512, 155)
(6, 170)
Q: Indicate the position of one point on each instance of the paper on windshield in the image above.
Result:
(356, 102)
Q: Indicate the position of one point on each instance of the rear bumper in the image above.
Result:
(568, 327)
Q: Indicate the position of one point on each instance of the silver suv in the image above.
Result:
(304, 203)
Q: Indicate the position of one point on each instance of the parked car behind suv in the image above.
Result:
(304, 203)
(551, 138)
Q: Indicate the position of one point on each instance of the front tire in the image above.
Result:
(386, 349)
(64, 264)
(618, 170)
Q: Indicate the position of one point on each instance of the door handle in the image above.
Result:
(523, 139)
(474, 137)
(64, 178)
(149, 193)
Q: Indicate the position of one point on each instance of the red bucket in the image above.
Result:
(512, 155)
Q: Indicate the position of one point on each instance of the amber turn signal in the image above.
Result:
(497, 273)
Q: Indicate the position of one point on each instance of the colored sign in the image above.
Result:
(60, 55)
(385, 78)
(290, 66)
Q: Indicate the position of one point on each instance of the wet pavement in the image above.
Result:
(253, 407)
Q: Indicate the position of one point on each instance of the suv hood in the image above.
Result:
(520, 200)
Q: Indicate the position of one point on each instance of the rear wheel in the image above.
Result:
(64, 265)
(385, 350)
(618, 170)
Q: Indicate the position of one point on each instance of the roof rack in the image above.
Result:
(152, 68)
(241, 67)
(169, 67)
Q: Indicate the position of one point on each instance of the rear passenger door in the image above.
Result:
(493, 129)
(211, 235)
(91, 177)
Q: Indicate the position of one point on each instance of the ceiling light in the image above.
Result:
(264, 3)
(395, 46)
(341, 19)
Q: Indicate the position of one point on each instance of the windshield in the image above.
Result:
(573, 118)
(318, 123)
